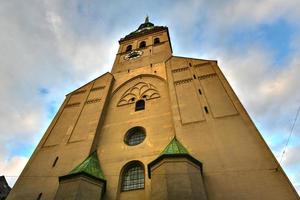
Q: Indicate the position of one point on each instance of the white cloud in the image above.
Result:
(254, 12)
(40, 50)
(292, 157)
(12, 168)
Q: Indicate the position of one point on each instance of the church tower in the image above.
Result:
(158, 127)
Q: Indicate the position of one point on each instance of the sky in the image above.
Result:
(49, 48)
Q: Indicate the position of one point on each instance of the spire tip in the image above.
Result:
(147, 19)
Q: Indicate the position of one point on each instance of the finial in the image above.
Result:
(147, 19)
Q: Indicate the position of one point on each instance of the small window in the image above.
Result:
(140, 105)
(156, 41)
(142, 44)
(128, 48)
(133, 177)
(39, 196)
(206, 109)
(135, 136)
(55, 161)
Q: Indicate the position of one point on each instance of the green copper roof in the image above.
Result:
(90, 166)
(143, 29)
(173, 150)
(145, 26)
(174, 147)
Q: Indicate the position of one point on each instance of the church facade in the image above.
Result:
(156, 127)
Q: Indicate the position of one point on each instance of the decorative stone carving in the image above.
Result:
(140, 90)
(93, 101)
(98, 88)
(72, 105)
(207, 76)
(201, 64)
(180, 69)
(183, 81)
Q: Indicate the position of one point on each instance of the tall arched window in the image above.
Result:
(133, 176)
(156, 41)
(128, 48)
(140, 105)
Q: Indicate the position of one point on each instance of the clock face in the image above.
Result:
(133, 55)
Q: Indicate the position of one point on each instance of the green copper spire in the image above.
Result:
(174, 147)
(173, 150)
(90, 166)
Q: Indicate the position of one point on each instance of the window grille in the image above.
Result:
(135, 136)
(133, 177)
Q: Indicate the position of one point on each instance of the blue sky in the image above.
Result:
(49, 48)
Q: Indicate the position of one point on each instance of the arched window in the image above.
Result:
(156, 41)
(140, 105)
(128, 48)
(142, 44)
(135, 136)
(133, 176)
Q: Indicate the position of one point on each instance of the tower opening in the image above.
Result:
(142, 44)
(156, 41)
(128, 48)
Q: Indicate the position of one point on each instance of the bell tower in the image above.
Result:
(147, 45)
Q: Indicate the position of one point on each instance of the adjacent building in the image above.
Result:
(4, 188)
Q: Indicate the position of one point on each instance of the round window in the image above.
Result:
(135, 136)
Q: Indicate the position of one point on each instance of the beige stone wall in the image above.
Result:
(80, 187)
(237, 162)
(69, 137)
(177, 178)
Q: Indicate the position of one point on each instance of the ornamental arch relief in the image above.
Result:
(141, 90)
(146, 87)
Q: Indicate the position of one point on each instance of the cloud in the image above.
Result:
(41, 50)
(12, 168)
(291, 157)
